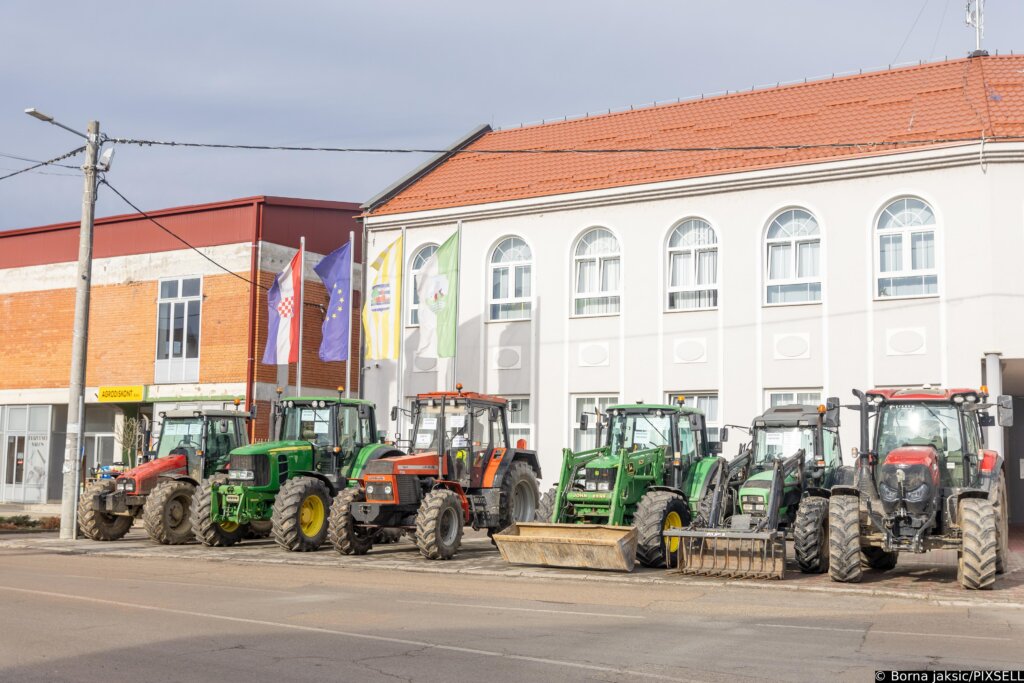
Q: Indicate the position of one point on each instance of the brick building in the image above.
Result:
(168, 326)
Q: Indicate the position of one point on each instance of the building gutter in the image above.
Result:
(250, 375)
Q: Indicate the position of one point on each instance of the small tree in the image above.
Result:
(131, 437)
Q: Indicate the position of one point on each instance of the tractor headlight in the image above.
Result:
(591, 485)
(387, 489)
(887, 493)
(919, 494)
(603, 486)
(370, 489)
(752, 504)
(243, 475)
(127, 485)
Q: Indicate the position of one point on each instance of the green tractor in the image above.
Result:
(612, 504)
(321, 443)
(776, 489)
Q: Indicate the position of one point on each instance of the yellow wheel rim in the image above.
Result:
(229, 527)
(311, 516)
(672, 521)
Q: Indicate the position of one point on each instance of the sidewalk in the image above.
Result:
(34, 510)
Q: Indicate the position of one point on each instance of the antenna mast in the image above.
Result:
(976, 18)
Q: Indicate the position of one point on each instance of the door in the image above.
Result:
(99, 451)
(14, 470)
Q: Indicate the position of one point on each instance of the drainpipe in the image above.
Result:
(250, 376)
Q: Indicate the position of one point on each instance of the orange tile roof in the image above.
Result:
(941, 100)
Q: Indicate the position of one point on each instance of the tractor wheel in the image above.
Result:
(656, 512)
(810, 535)
(439, 525)
(704, 507)
(259, 529)
(167, 512)
(342, 532)
(878, 559)
(520, 495)
(977, 566)
(844, 539)
(300, 514)
(1002, 528)
(97, 524)
(208, 532)
(546, 506)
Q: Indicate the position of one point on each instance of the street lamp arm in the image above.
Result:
(36, 114)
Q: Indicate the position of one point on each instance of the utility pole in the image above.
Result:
(79, 342)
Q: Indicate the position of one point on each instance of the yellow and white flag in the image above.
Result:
(382, 311)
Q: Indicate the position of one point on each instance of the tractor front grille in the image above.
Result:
(408, 488)
(258, 464)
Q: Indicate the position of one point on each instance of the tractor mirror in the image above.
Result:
(493, 413)
(715, 447)
(381, 435)
(394, 413)
(364, 412)
(222, 427)
(986, 420)
(1005, 410)
(832, 406)
(583, 422)
(723, 435)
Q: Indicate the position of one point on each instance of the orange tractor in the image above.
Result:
(461, 471)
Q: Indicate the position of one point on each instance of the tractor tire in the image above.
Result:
(1002, 528)
(976, 569)
(656, 512)
(704, 508)
(439, 525)
(342, 532)
(520, 495)
(259, 529)
(546, 506)
(810, 535)
(97, 524)
(300, 515)
(878, 559)
(844, 539)
(167, 513)
(208, 532)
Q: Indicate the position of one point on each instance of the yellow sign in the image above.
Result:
(120, 394)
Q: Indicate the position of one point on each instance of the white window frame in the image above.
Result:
(601, 262)
(414, 270)
(695, 250)
(178, 369)
(794, 243)
(795, 394)
(515, 424)
(512, 268)
(906, 235)
(608, 399)
(693, 399)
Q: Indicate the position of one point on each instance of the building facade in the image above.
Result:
(170, 326)
(797, 242)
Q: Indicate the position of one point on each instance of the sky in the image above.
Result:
(391, 73)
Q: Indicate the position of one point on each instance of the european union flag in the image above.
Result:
(336, 272)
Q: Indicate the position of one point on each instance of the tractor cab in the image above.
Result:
(337, 430)
(784, 431)
(204, 437)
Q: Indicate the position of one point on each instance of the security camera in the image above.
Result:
(105, 160)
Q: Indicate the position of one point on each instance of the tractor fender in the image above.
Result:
(844, 490)
(498, 468)
(371, 452)
(710, 476)
(180, 477)
(817, 492)
(670, 489)
(317, 475)
(457, 488)
(973, 493)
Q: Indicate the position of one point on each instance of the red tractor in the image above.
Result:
(461, 470)
(925, 482)
(193, 445)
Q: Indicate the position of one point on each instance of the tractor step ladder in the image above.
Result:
(586, 546)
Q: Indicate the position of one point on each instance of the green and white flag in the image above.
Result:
(437, 285)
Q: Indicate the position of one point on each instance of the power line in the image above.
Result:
(577, 150)
(911, 31)
(45, 163)
(35, 161)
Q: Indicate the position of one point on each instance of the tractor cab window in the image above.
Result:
(924, 424)
(771, 443)
(305, 423)
(640, 431)
(221, 437)
(183, 433)
(832, 449)
(498, 431)
(426, 434)
(350, 430)
(687, 440)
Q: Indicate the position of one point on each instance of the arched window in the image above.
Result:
(511, 280)
(419, 259)
(793, 253)
(597, 267)
(906, 249)
(693, 266)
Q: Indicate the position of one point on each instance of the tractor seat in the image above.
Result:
(308, 435)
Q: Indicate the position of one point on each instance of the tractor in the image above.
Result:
(613, 503)
(926, 481)
(193, 445)
(461, 471)
(776, 489)
(290, 482)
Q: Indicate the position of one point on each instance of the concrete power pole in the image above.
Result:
(79, 342)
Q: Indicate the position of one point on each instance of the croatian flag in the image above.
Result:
(283, 305)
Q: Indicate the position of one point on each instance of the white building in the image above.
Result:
(740, 269)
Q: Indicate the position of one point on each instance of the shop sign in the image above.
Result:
(127, 394)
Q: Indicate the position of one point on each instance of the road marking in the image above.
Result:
(520, 609)
(169, 583)
(872, 632)
(364, 636)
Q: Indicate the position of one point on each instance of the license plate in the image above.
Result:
(232, 498)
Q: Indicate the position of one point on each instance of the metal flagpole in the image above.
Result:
(351, 273)
(302, 304)
(458, 293)
(401, 336)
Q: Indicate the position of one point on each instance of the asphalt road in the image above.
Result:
(101, 618)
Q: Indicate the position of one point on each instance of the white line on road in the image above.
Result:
(364, 636)
(147, 581)
(872, 632)
(520, 609)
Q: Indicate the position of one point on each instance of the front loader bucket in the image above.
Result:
(732, 554)
(585, 546)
